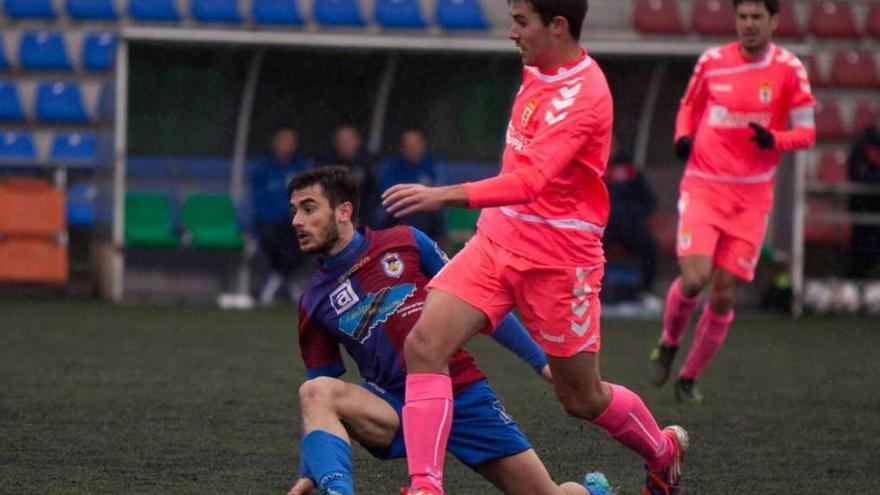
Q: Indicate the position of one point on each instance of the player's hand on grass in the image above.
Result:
(763, 138)
(683, 148)
(546, 373)
(405, 199)
(303, 486)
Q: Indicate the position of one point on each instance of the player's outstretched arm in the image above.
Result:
(405, 199)
(513, 335)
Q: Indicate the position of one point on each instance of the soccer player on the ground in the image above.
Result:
(366, 296)
(732, 127)
(538, 247)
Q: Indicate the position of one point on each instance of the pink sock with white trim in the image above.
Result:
(677, 313)
(427, 419)
(628, 420)
(708, 336)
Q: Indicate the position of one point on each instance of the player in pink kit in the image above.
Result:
(747, 103)
(538, 248)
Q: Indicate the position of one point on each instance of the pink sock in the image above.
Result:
(708, 337)
(628, 420)
(677, 313)
(427, 419)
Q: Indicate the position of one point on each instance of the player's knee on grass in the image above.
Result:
(319, 394)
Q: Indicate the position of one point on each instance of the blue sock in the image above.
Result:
(328, 459)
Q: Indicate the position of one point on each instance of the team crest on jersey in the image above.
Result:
(393, 265)
(343, 298)
(685, 239)
(765, 93)
(527, 113)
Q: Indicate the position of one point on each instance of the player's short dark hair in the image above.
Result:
(772, 5)
(338, 184)
(574, 11)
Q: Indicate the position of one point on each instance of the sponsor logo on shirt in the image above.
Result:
(343, 298)
(721, 117)
(765, 92)
(392, 265)
(721, 88)
(527, 113)
(359, 322)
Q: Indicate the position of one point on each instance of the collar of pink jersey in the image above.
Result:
(563, 68)
(763, 56)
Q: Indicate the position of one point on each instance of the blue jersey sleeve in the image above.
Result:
(513, 335)
(431, 257)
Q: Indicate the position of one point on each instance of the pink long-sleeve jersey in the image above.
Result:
(549, 203)
(727, 92)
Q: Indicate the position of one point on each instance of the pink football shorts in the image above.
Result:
(732, 236)
(559, 305)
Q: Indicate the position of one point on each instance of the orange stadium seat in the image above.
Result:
(31, 207)
(854, 69)
(658, 17)
(833, 19)
(824, 231)
(829, 121)
(713, 18)
(832, 167)
(866, 113)
(34, 260)
(789, 26)
(873, 25)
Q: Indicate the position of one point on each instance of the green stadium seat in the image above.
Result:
(148, 221)
(212, 222)
(460, 227)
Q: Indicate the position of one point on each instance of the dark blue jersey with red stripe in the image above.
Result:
(367, 298)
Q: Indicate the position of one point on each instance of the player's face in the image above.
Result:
(528, 31)
(314, 220)
(754, 26)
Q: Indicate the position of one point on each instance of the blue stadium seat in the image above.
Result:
(461, 14)
(43, 50)
(10, 103)
(399, 13)
(154, 10)
(29, 9)
(17, 147)
(97, 10)
(338, 13)
(74, 147)
(277, 12)
(99, 50)
(81, 205)
(216, 11)
(60, 102)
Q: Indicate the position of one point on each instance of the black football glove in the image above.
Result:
(683, 148)
(763, 138)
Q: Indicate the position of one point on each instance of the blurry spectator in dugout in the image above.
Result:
(632, 204)
(272, 218)
(413, 165)
(864, 168)
(348, 151)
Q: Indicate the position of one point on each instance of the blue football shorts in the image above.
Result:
(481, 428)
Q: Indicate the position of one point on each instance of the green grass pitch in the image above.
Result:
(103, 399)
